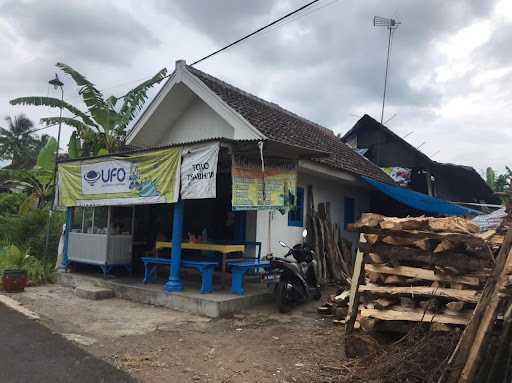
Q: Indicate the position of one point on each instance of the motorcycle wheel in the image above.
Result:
(282, 297)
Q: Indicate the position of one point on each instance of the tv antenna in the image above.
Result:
(391, 25)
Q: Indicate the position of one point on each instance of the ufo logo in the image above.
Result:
(91, 177)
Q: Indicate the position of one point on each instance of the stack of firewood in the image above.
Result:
(419, 269)
(333, 253)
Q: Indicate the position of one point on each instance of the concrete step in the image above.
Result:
(93, 292)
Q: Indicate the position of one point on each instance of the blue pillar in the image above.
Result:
(174, 282)
(67, 229)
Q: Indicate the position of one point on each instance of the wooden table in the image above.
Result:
(224, 249)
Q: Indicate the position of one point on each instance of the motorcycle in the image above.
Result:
(295, 281)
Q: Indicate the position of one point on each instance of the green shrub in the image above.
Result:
(10, 203)
(38, 271)
(28, 231)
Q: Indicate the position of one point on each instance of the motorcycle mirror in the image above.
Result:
(283, 244)
(304, 233)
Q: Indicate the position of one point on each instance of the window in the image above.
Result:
(296, 216)
(349, 212)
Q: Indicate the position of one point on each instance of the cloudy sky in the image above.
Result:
(450, 74)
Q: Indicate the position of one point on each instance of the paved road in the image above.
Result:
(31, 353)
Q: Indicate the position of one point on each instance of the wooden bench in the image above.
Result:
(206, 269)
(239, 268)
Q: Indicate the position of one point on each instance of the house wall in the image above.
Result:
(324, 190)
(197, 122)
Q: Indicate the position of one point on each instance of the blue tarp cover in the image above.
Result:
(421, 201)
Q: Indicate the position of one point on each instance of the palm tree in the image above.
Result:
(18, 144)
(102, 129)
(37, 182)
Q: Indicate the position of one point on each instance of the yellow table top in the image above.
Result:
(217, 247)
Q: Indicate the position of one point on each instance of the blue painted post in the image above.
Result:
(67, 229)
(174, 282)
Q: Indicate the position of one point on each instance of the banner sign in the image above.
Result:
(279, 183)
(199, 171)
(139, 178)
(400, 175)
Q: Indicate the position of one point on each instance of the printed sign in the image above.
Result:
(106, 177)
(199, 171)
(253, 191)
(399, 175)
(138, 178)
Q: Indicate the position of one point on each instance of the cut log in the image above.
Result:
(370, 219)
(455, 306)
(372, 238)
(469, 296)
(423, 244)
(375, 277)
(429, 275)
(416, 316)
(460, 261)
(453, 225)
(381, 303)
(467, 239)
(394, 280)
(375, 258)
(415, 223)
(440, 327)
(444, 245)
(487, 235)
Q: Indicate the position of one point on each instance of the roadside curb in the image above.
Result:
(17, 306)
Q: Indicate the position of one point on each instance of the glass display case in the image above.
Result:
(102, 236)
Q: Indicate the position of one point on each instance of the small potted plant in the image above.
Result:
(14, 278)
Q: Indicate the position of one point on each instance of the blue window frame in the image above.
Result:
(296, 216)
(349, 212)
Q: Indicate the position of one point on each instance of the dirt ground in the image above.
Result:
(161, 345)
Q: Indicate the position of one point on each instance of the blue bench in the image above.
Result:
(239, 268)
(206, 269)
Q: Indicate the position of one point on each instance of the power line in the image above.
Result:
(255, 32)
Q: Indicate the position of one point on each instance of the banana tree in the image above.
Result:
(103, 127)
(37, 182)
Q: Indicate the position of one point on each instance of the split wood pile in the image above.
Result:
(333, 253)
(484, 351)
(421, 269)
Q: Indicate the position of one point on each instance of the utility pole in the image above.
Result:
(56, 84)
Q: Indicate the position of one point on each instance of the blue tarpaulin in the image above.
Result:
(421, 201)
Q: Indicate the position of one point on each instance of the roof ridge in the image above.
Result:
(270, 104)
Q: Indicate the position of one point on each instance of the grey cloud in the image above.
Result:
(85, 31)
(341, 38)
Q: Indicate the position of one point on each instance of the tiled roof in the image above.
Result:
(281, 125)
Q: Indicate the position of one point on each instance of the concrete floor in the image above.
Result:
(220, 303)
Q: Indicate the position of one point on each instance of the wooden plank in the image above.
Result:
(469, 296)
(415, 272)
(489, 316)
(415, 316)
(466, 342)
(353, 302)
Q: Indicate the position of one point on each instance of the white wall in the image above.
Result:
(197, 122)
(324, 190)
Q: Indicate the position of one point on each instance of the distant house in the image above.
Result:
(413, 168)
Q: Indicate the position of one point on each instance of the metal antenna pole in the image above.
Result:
(386, 76)
(56, 83)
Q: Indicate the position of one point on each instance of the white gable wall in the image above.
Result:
(197, 122)
(324, 190)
